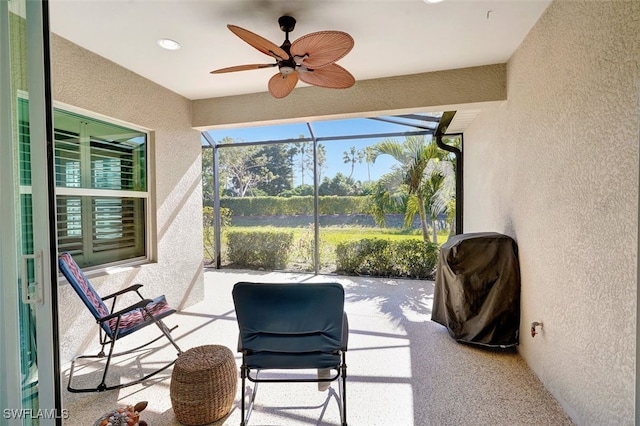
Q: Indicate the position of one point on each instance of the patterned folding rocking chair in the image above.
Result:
(115, 325)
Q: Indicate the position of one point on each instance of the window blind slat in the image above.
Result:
(94, 156)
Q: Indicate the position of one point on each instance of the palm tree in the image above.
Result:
(292, 152)
(430, 189)
(370, 158)
(420, 163)
(385, 192)
(352, 156)
(447, 196)
(443, 198)
(322, 160)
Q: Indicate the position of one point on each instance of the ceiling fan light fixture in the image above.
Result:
(286, 70)
(167, 43)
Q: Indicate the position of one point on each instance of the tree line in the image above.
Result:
(422, 179)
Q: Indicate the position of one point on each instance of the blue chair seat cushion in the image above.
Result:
(321, 340)
(285, 361)
(138, 318)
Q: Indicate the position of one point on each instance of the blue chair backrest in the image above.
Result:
(83, 287)
(290, 318)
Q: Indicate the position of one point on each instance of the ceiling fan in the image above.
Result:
(311, 58)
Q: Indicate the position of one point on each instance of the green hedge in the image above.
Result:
(259, 249)
(298, 205)
(335, 204)
(377, 257)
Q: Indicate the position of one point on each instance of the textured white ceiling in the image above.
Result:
(392, 37)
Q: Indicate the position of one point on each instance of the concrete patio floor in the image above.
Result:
(403, 369)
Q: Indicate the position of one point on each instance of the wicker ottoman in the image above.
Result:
(203, 384)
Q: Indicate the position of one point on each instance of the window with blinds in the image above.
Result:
(101, 189)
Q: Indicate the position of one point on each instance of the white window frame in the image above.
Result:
(147, 196)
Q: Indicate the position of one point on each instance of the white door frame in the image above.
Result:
(38, 80)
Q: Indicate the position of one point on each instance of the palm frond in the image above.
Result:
(393, 148)
(445, 190)
(412, 207)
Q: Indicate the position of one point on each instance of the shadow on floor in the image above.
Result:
(403, 369)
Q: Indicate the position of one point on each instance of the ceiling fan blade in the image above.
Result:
(332, 76)
(259, 42)
(322, 48)
(243, 68)
(280, 85)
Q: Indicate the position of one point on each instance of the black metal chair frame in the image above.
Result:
(110, 339)
(106, 340)
(338, 351)
(245, 374)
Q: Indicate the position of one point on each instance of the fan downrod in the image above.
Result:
(287, 23)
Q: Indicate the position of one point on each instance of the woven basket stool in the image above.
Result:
(203, 384)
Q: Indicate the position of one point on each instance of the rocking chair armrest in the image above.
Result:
(140, 304)
(134, 287)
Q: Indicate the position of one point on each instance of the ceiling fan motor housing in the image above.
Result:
(287, 66)
(287, 23)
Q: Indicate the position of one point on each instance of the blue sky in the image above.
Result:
(335, 149)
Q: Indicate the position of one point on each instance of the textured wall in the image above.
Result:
(556, 167)
(442, 90)
(85, 80)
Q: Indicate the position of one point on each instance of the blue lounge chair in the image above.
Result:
(291, 326)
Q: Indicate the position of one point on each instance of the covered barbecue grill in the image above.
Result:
(477, 289)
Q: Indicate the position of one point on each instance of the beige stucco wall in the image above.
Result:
(556, 167)
(87, 81)
(432, 91)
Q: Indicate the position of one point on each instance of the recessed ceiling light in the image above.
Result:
(432, 1)
(168, 44)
